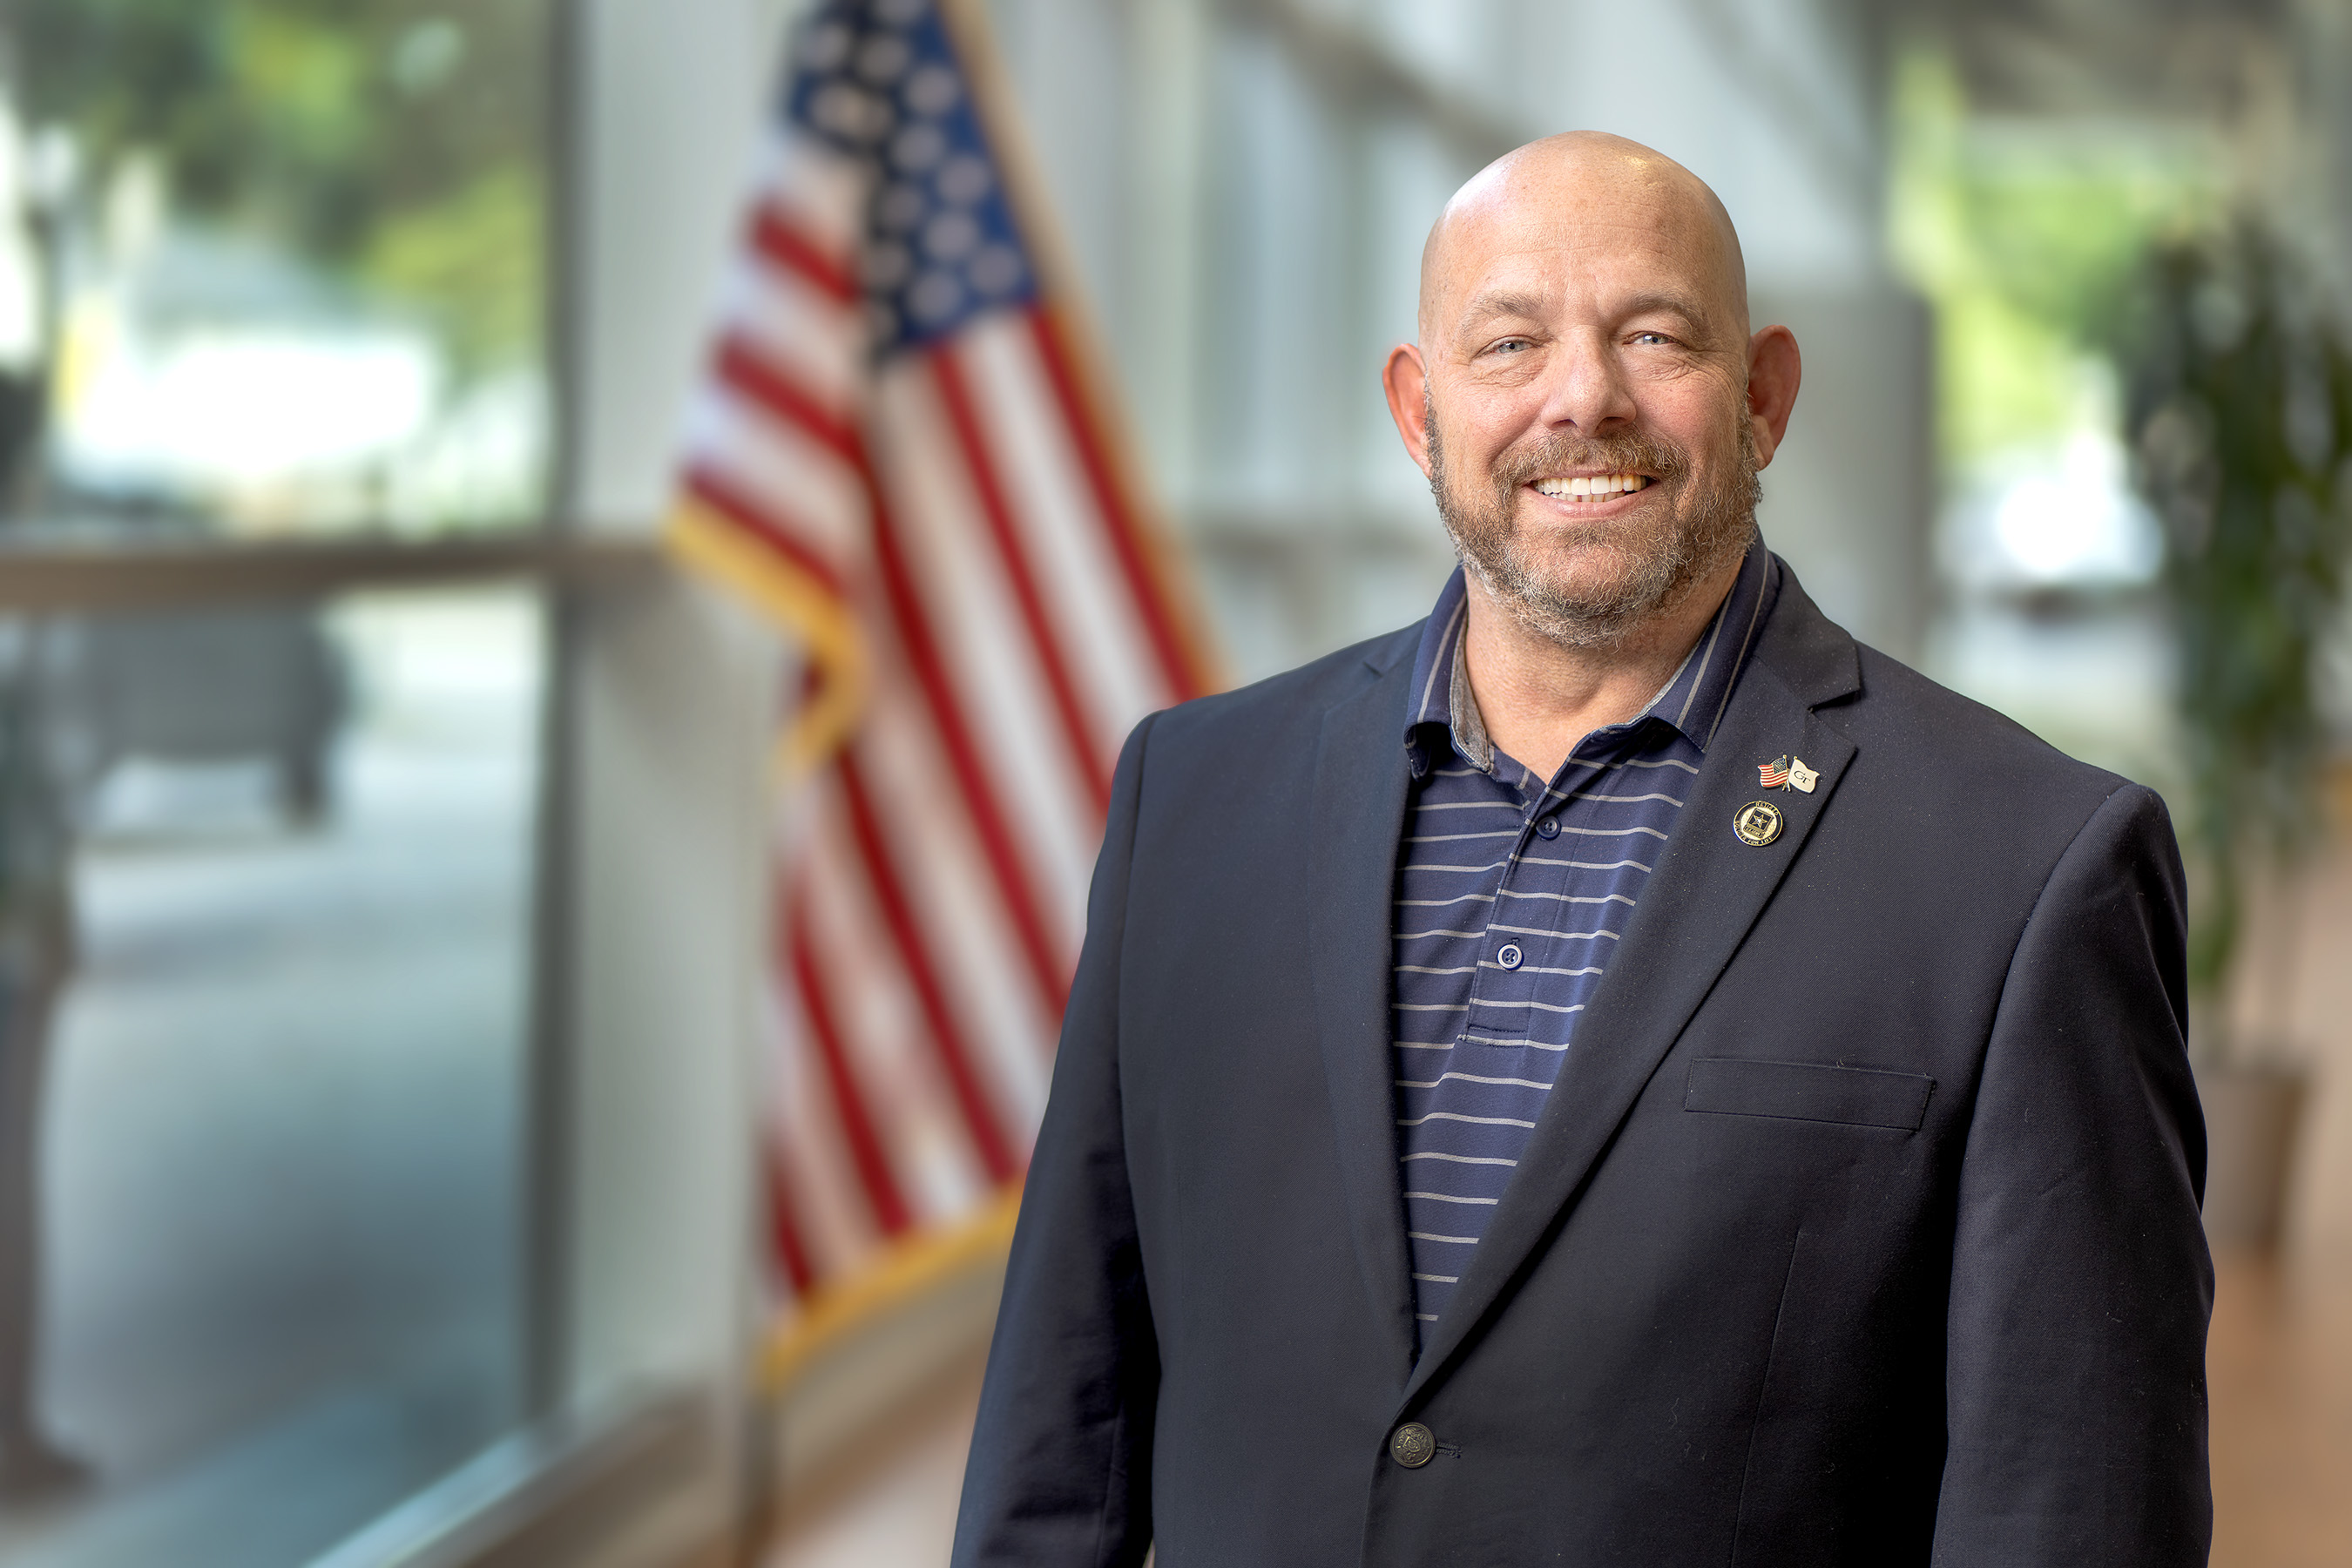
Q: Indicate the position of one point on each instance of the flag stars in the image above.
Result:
(918, 147)
(932, 89)
(879, 81)
(996, 271)
(950, 237)
(884, 59)
(963, 179)
(902, 208)
(824, 47)
(936, 296)
(850, 112)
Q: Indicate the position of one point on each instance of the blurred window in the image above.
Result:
(271, 275)
(2029, 232)
(279, 1267)
(270, 266)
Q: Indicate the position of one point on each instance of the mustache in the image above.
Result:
(1633, 451)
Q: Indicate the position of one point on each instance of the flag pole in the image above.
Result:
(1079, 337)
(755, 1517)
(794, 549)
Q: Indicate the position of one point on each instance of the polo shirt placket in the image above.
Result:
(1511, 894)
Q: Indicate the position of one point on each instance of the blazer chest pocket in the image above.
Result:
(1809, 1091)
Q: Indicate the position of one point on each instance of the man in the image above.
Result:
(1617, 1073)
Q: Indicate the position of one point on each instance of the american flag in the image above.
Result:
(900, 450)
(1775, 774)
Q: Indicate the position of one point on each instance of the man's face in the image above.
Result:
(1589, 443)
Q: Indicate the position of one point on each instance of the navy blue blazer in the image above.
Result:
(1862, 1227)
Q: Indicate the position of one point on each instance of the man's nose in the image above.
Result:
(1585, 389)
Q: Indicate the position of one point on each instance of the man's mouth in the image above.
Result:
(1591, 487)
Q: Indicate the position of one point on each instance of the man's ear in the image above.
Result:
(1406, 381)
(1774, 369)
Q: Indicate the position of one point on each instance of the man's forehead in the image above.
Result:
(1581, 213)
(1613, 270)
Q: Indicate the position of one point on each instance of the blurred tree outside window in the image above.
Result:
(280, 262)
(2028, 236)
(2241, 410)
(2145, 408)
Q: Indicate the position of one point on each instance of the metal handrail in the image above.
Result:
(566, 1476)
(116, 576)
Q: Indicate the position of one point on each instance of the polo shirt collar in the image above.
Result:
(1692, 701)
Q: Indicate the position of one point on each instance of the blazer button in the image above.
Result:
(1412, 1445)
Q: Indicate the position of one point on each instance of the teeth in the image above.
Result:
(1592, 487)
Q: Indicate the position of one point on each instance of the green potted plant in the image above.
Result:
(2238, 403)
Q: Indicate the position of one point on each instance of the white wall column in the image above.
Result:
(673, 701)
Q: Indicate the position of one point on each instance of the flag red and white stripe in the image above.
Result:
(929, 498)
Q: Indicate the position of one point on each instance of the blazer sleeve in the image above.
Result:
(2074, 1375)
(1060, 1472)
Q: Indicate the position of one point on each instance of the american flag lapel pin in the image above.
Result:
(1775, 774)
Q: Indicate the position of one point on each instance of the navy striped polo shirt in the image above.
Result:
(1510, 896)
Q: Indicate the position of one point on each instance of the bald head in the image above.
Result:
(1583, 190)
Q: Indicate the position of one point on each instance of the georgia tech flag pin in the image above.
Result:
(1802, 778)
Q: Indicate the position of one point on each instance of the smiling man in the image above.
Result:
(1616, 1073)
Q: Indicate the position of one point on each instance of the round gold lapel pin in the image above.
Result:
(1758, 822)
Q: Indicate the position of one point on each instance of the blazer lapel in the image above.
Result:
(1707, 891)
(1358, 811)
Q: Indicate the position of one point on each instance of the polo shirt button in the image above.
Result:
(1412, 1445)
(1510, 957)
(1549, 827)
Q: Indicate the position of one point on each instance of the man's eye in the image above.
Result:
(1511, 345)
(1652, 338)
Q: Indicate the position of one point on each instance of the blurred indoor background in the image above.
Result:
(382, 819)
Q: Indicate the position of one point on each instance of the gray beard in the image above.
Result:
(1619, 574)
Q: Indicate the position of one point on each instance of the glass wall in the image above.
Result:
(270, 270)
(272, 266)
(278, 1278)
(2045, 169)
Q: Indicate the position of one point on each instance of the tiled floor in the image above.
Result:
(2281, 1362)
(899, 1509)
